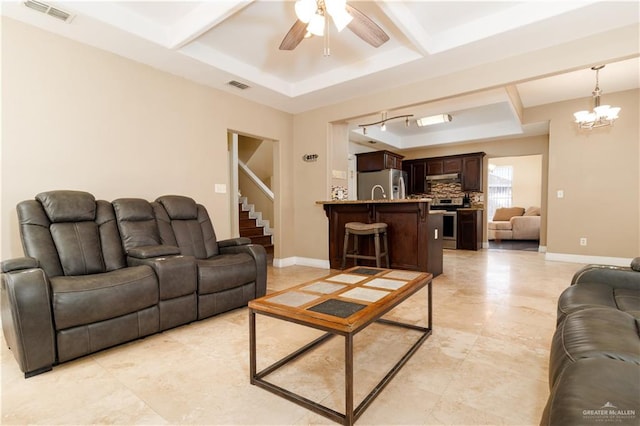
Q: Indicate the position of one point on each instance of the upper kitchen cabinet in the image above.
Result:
(435, 166)
(472, 172)
(378, 160)
(416, 172)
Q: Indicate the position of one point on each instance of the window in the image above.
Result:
(500, 188)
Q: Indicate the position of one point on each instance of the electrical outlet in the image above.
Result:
(583, 241)
(560, 193)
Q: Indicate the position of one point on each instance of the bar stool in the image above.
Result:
(359, 228)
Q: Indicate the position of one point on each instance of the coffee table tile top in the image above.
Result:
(324, 287)
(402, 275)
(367, 271)
(337, 308)
(293, 298)
(347, 278)
(366, 294)
(385, 283)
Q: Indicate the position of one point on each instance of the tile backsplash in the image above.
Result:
(453, 190)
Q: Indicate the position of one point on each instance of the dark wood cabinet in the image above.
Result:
(452, 165)
(416, 172)
(408, 232)
(378, 160)
(434, 261)
(469, 229)
(435, 166)
(472, 172)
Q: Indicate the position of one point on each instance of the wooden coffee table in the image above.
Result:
(342, 304)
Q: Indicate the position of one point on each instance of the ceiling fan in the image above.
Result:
(313, 20)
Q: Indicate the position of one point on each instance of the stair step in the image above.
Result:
(244, 215)
(261, 239)
(247, 223)
(250, 232)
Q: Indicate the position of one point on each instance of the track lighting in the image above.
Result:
(383, 122)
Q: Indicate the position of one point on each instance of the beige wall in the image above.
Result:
(75, 117)
(599, 173)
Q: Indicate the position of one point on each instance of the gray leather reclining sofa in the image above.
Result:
(594, 366)
(97, 274)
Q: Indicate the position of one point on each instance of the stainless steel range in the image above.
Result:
(449, 220)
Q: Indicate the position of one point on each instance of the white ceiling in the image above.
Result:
(215, 42)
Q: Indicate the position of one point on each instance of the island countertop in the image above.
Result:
(384, 200)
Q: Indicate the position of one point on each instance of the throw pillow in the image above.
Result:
(506, 213)
(532, 211)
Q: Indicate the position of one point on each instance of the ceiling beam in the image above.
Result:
(201, 19)
(408, 24)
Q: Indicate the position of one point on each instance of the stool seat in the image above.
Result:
(354, 227)
(359, 228)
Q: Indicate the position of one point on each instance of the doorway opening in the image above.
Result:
(253, 202)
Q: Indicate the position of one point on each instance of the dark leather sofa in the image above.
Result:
(97, 274)
(594, 366)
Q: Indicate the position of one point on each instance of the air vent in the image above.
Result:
(237, 84)
(49, 10)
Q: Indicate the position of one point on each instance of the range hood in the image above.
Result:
(448, 177)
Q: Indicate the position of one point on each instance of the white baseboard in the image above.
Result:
(598, 260)
(301, 261)
(542, 249)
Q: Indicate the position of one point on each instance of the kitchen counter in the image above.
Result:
(414, 233)
(384, 200)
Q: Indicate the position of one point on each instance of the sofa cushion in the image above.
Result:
(224, 272)
(79, 248)
(595, 391)
(68, 206)
(532, 211)
(506, 213)
(594, 333)
(593, 295)
(136, 222)
(92, 298)
(179, 207)
(500, 225)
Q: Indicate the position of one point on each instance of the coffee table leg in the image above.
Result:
(348, 378)
(252, 345)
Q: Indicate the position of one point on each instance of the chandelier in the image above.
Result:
(602, 115)
(314, 13)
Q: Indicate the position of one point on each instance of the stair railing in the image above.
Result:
(263, 187)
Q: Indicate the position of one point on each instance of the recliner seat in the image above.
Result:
(230, 272)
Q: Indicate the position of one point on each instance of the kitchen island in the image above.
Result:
(414, 233)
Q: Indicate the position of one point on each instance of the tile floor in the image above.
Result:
(485, 364)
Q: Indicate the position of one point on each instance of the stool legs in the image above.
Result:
(376, 242)
(356, 252)
(344, 250)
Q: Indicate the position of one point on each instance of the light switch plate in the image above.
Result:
(221, 188)
(339, 174)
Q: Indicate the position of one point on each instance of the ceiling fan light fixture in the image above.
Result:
(433, 119)
(305, 9)
(316, 25)
(337, 9)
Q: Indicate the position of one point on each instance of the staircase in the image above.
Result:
(254, 227)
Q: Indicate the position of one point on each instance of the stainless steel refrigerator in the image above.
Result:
(391, 185)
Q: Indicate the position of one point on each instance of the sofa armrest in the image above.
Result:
(615, 276)
(177, 275)
(240, 241)
(260, 256)
(19, 263)
(27, 319)
(525, 227)
(149, 252)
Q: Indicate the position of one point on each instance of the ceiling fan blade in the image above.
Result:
(365, 28)
(294, 36)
